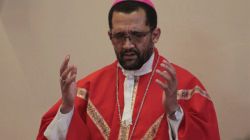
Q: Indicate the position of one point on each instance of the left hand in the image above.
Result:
(169, 85)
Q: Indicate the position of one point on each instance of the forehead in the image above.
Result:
(135, 20)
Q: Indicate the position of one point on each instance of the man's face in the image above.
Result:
(131, 38)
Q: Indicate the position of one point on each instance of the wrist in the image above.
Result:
(171, 106)
(65, 108)
(172, 114)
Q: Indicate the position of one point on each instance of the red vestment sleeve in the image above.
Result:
(199, 120)
(77, 128)
(46, 119)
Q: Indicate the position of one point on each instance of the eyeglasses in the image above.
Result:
(133, 36)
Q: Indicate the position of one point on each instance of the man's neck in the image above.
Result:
(146, 68)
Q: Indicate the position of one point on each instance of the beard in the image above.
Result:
(133, 59)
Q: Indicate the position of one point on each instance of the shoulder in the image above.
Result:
(96, 80)
(181, 73)
(103, 72)
(188, 84)
(186, 79)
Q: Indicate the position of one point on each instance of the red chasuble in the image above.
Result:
(96, 114)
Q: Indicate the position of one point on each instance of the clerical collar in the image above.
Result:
(146, 68)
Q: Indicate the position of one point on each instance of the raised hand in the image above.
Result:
(169, 85)
(68, 85)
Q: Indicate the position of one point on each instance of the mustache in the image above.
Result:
(128, 51)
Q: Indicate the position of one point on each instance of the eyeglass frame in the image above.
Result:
(133, 36)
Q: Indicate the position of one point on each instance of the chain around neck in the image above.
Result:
(143, 99)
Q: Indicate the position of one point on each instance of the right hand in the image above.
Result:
(68, 85)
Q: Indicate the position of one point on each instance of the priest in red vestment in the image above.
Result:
(141, 95)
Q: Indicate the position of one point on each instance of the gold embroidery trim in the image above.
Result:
(98, 120)
(187, 94)
(124, 130)
(152, 131)
(82, 93)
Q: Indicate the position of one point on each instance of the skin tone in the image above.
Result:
(136, 53)
(68, 85)
(169, 85)
(123, 22)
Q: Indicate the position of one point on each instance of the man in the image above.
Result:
(140, 96)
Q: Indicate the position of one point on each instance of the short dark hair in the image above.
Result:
(130, 6)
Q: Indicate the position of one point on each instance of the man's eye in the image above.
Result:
(119, 35)
(137, 34)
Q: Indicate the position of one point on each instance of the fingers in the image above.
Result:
(74, 71)
(71, 79)
(169, 90)
(164, 74)
(64, 64)
(68, 76)
(162, 85)
(169, 68)
(168, 74)
(67, 73)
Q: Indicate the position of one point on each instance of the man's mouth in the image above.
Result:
(129, 56)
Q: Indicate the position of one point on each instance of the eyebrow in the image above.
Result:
(129, 31)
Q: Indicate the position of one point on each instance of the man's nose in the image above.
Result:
(128, 43)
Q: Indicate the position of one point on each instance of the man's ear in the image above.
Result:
(156, 35)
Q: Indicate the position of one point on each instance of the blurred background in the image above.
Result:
(209, 38)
